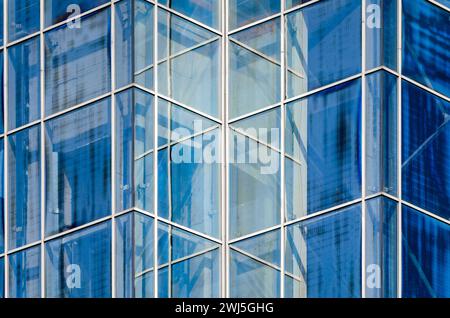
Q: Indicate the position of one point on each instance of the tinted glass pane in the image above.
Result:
(24, 187)
(134, 43)
(293, 3)
(2, 196)
(79, 264)
(60, 10)
(1, 92)
(425, 256)
(325, 254)
(1, 26)
(77, 62)
(323, 44)
(266, 247)
(242, 12)
(2, 278)
(425, 150)
(25, 273)
(381, 133)
(323, 135)
(23, 18)
(78, 167)
(426, 44)
(381, 248)
(205, 11)
(254, 68)
(24, 83)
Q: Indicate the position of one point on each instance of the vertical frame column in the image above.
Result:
(399, 146)
(5, 140)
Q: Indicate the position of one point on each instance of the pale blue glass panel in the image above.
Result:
(325, 253)
(2, 196)
(24, 83)
(426, 44)
(24, 187)
(425, 256)
(381, 133)
(323, 44)
(252, 279)
(265, 246)
(2, 278)
(78, 167)
(23, 18)
(254, 186)
(254, 68)
(425, 150)
(134, 43)
(294, 288)
(25, 273)
(56, 11)
(293, 3)
(242, 12)
(323, 136)
(77, 62)
(444, 2)
(143, 180)
(2, 34)
(204, 11)
(78, 265)
(381, 248)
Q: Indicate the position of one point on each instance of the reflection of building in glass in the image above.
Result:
(240, 148)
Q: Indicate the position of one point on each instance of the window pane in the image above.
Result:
(24, 83)
(425, 256)
(425, 150)
(24, 187)
(77, 62)
(242, 12)
(2, 196)
(426, 44)
(323, 44)
(323, 136)
(189, 63)
(25, 273)
(78, 265)
(1, 93)
(134, 43)
(325, 254)
(78, 169)
(381, 133)
(23, 18)
(60, 10)
(204, 11)
(2, 278)
(293, 3)
(381, 248)
(2, 34)
(255, 68)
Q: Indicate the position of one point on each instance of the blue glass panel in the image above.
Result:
(294, 288)
(144, 286)
(23, 18)
(1, 93)
(2, 196)
(205, 11)
(293, 3)
(425, 256)
(77, 62)
(2, 35)
(425, 150)
(78, 265)
(426, 44)
(78, 169)
(381, 33)
(143, 181)
(134, 43)
(59, 10)
(25, 273)
(325, 254)
(381, 248)
(252, 279)
(24, 83)
(24, 187)
(2, 278)
(323, 136)
(444, 2)
(242, 12)
(323, 44)
(381, 133)
(265, 246)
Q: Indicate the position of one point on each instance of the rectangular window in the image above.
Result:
(23, 18)
(25, 273)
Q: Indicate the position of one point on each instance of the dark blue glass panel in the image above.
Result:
(425, 256)
(205, 11)
(24, 83)
(381, 248)
(77, 62)
(59, 10)
(24, 187)
(425, 150)
(426, 44)
(25, 273)
(1, 93)
(2, 34)
(325, 253)
(2, 278)
(79, 265)
(323, 135)
(23, 18)
(78, 169)
(2, 196)
(323, 44)
(242, 12)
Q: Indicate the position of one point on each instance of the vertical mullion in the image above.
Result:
(226, 219)
(363, 150)
(399, 146)
(113, 152)
(5, 140)
(282, 148)
(155, 147)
